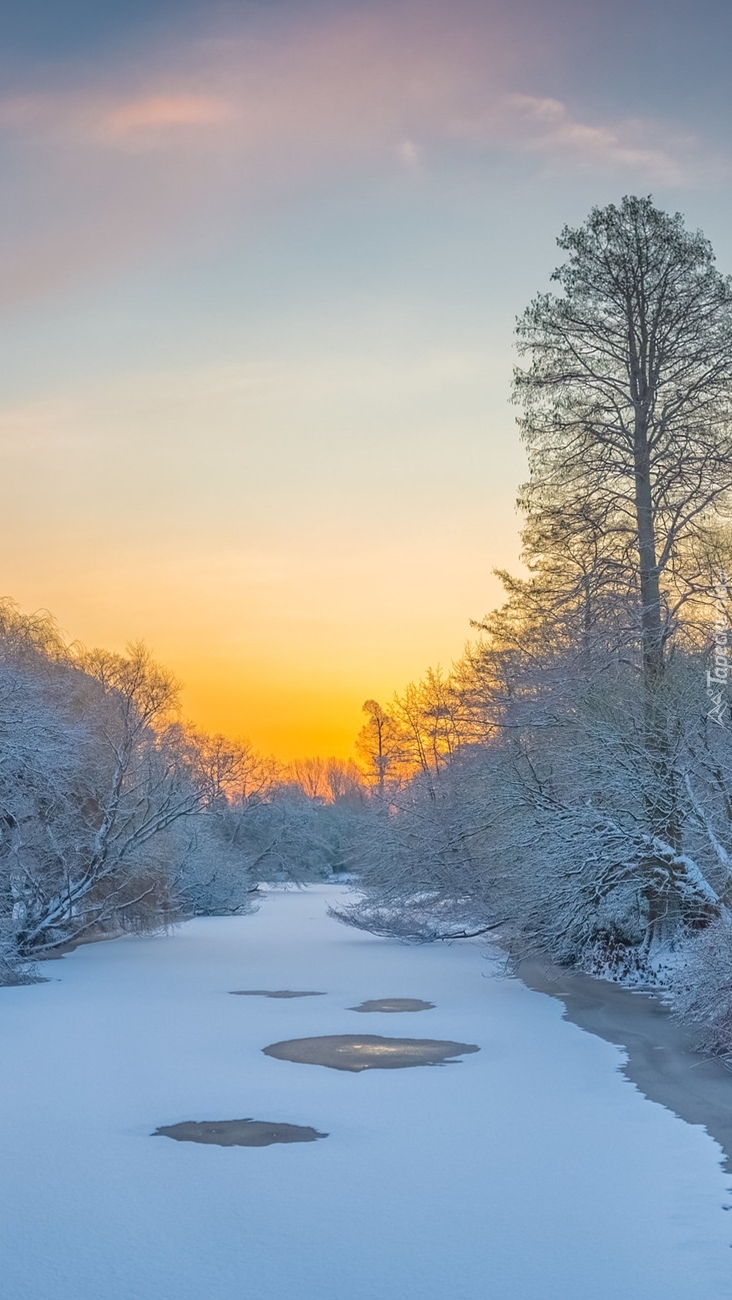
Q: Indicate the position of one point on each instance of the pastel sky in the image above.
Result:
(259, 267)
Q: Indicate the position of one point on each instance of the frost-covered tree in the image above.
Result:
(377, 746)
(422, 727)
(627, 420)
(94, 775)
(113, 814)
(221, 853)
(327, 780)
(539, 832)
(585, 791)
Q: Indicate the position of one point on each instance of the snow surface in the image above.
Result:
(531, 1170)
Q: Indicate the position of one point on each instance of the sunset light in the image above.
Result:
(365, 658)
(258, 352)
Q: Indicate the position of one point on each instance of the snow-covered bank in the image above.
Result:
(530, 1169)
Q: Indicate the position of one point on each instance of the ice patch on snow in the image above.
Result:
(368, 1052)
(238, 1132)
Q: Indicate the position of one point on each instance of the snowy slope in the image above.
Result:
(531, 1170)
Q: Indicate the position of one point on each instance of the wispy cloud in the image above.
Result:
(267, 111)
(547, 126)
(164, 112)
(381, 86)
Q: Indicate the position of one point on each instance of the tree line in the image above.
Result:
(569, 783)
(116, 815)
(566, 786)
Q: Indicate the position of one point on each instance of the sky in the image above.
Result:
(260, 265)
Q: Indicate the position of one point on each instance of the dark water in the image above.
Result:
(275, 993)
(662, 1060)
(356, 1052)
(238, 1132)
(394, 1004)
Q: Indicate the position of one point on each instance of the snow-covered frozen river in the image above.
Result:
(530, 1170)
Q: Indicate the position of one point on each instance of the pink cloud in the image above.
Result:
(391, 83)
(161, 111)
(246, 120)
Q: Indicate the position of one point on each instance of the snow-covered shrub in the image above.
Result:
(701, 986)
(13, 969)
(298, 837)
(540, 828)
(94, 775)
(275, 832)
(426, 859)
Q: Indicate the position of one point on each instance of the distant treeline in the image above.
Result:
(116, 815)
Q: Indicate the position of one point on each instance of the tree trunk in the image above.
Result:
(661, 798)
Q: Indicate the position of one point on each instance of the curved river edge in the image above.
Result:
(661, 1057)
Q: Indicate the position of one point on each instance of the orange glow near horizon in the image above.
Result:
(298, 692)
(259, 274)
(283, 572)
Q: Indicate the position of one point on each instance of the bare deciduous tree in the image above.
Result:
(584, 800)
(627, 405)
(94, 775)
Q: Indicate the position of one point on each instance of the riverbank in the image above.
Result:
(661, 1059)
